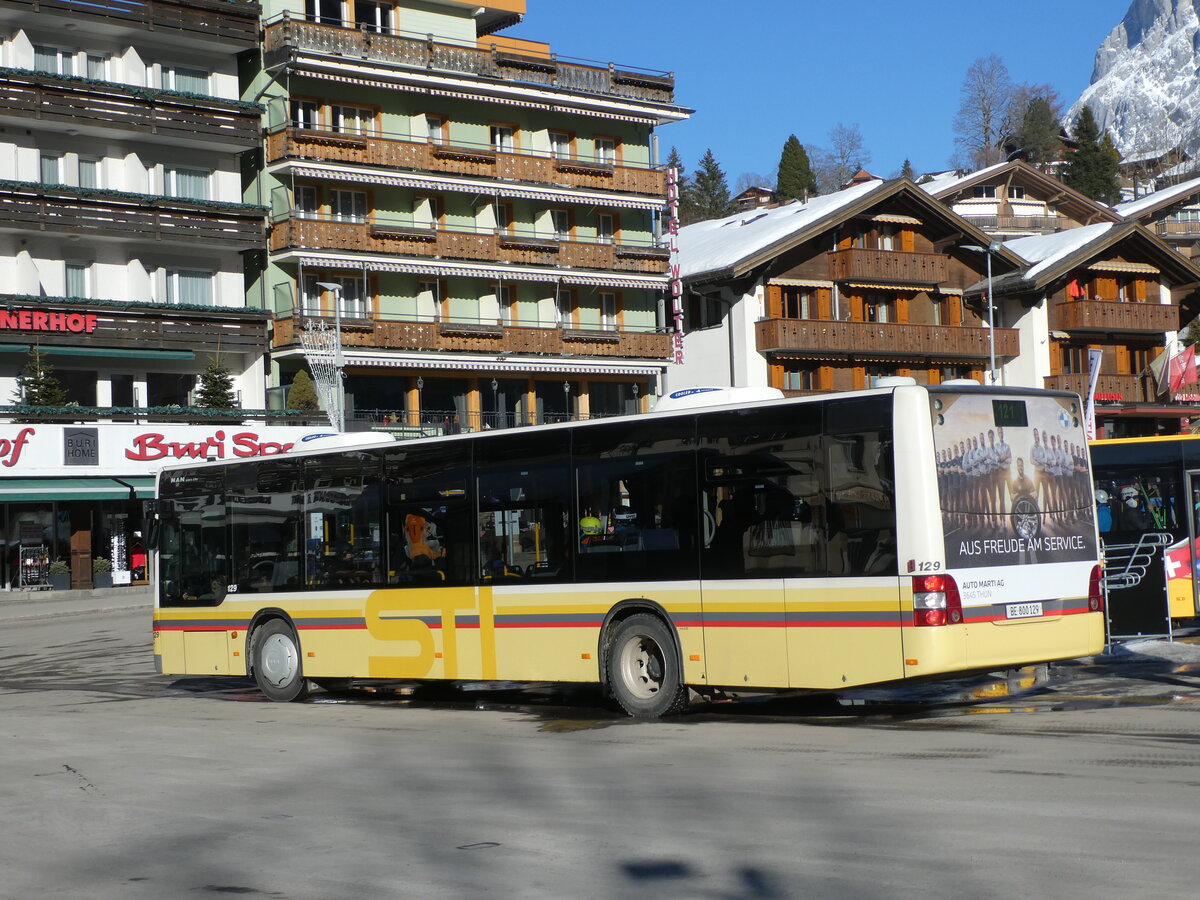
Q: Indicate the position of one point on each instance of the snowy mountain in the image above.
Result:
(1146, 83)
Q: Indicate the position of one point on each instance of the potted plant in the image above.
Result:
(60, 575)
(101, 572)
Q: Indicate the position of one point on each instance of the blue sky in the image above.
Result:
(756, 71)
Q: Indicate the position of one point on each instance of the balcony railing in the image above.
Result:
(409, 424)
(1119, 388)
(214, 20)
(290, 33)
(29, 206)
(888, 266)
(1024, 224)
(89, 104)
(1168, 228)
(138, 326)
(478, 160)
(484, 244)
(1113, 315)
(492, 337)
(177, 414)
(872, 340)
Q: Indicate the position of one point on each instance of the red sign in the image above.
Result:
(39, 320)
(155, 446)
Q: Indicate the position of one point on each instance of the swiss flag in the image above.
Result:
(1181, 561)
(1183, 368)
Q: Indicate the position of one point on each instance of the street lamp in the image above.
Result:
(991, 248)
(339, 361)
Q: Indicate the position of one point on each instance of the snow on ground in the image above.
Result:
(1184, 651)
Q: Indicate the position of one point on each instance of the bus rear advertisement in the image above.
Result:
(817, 543)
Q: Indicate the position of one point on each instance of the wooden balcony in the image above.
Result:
(29, 207)
(486, 246)
(1115, 388)
(97, 106)
(288, 35)
(1022, 224)
(1113, 315)
(1169, 229)
(480, 162)
(495, 338)
(145, 326)
(817, 338)
(888, 267)
(211, 20)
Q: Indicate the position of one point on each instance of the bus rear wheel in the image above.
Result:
(644, 673)
(278, 669)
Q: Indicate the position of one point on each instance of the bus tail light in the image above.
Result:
(1096, 589)
(936, 601)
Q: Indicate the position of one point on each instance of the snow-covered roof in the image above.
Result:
(721, 243)
(947, 180)
(1134, 208)
(1044, 250)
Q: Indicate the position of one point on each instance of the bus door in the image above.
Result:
(1145, 535)
(1182, 588)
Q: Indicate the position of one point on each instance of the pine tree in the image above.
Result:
(906, 170)
(1092, 168)
(795, 180)
(684, 185)
(216, 387)
(1038, 134)
(36, 385)
(710, 191)
(302, 394)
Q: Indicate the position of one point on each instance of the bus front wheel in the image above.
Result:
(644, 673)
(278, 669)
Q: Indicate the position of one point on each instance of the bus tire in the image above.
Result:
(644, 673)
(278, 668)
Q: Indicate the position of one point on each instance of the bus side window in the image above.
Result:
(524, 502)
(636, 504)
(428, 520)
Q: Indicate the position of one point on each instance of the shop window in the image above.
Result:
(169, 388)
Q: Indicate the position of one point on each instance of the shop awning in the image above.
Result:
(18, 490)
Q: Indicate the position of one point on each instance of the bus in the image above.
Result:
(1147, 502)
(804, 544)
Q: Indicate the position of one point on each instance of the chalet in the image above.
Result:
(838, 292)
(1112, 287)
(1172, 213)
(1013, 199)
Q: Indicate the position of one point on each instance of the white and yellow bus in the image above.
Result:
(818, 543)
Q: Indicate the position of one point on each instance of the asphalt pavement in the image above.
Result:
(17, 605)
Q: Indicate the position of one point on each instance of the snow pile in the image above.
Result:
(1184, 651)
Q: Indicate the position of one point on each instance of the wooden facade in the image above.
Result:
(214, 20)
(408, 240)
(145, 111)
(55, 208)
(475, 161)
(286, 36)
(386, 334)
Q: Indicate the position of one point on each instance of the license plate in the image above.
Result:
(1022, 610)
